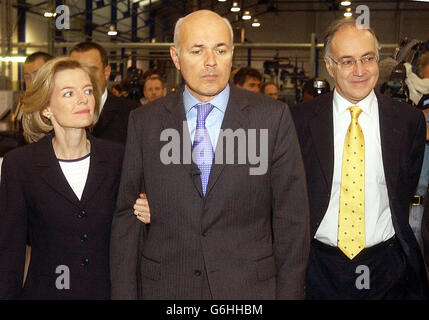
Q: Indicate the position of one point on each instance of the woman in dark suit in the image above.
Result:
(59, 192)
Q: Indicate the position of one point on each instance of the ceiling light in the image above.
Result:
(221, 0)
(246, 15)
(12, 59)
(112, 31)
(256, 23)
(345, 3)
(347, 14)
(235, 7)
(49, 14)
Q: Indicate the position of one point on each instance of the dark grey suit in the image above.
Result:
(248, 238)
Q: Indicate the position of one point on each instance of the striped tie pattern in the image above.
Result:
(202, 149)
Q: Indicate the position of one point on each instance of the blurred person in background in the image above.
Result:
(270, 89)
(113, 120)
(248, 78)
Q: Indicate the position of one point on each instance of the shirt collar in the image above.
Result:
(103, 99)
(220, 101)
(341, 104)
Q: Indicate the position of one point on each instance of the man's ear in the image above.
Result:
(107, 71)
(175, 57)
(329, 67)
(164, 91)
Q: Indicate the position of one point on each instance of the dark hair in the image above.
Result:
(243, 73)
(38, 55)
(89, 45)
(152, 73)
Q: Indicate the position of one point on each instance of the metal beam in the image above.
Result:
(167, 45)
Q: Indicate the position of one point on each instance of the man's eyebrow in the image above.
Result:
(220, 44)
(365, 54)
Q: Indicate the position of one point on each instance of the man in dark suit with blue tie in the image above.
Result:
(218, 230)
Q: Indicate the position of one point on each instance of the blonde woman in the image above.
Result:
(59, 191)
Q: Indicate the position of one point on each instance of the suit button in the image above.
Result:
(84, 262)
(204, 234)
(197, 273)
(84, 237)
(82, 214)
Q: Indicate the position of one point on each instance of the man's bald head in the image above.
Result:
(198, 16)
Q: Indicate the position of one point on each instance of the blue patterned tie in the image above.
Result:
(202, 149)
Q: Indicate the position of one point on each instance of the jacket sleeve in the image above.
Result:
(416, 155)
(127, 231)
(13, 230)
(290, 211)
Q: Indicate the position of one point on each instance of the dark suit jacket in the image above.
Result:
(425, 232)
(36, 199)
(247, 239)
(113, 121)
(402, 133)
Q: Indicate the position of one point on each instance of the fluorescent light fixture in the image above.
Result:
(345, 3)
(13, 59)
(246, 15)
(235, 7)
(50, 14)
(347, 14)
(256, 23)
(221, 0)
(421, 0)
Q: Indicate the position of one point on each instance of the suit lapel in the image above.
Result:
(51, 172)
(176, 120)
(390, 138)
(108, 113)
(235, 118)
(97, 171)
(321, 127)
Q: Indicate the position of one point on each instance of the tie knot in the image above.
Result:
(203, 110)
(355, 112)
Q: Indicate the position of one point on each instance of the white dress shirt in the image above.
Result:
(103, 99)
(76, 173)
(378, 218)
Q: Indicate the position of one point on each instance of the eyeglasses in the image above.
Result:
(350, 62)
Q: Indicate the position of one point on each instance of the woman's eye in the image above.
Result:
(88, 91)
(68, 94)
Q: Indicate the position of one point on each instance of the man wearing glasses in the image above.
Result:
(362, 153)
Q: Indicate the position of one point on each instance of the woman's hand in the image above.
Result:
(141, 209)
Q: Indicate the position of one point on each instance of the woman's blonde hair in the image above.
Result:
(37, 97)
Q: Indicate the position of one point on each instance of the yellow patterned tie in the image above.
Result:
(351, 219)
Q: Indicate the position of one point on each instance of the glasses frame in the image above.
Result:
(354, 61)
